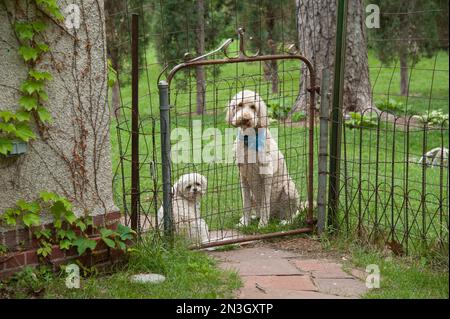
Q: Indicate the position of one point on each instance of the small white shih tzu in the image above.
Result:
(186, 195)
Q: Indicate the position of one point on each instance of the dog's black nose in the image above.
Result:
(195, 190)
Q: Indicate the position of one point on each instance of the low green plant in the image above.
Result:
(391, 106)
(68, 230)
(358, 120)
(3, 249)
(298, 116)
(189, 274)
(278, 110)
(29, 282)
(434, 118)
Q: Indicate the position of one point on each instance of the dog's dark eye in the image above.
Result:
(197, 184)
(240, 104)
(253, 107)
(189, 187)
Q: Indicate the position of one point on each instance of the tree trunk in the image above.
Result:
(273, 64)
(404, 77)
(316, 26)
(200, 48)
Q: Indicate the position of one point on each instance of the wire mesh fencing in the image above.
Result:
(393, 163)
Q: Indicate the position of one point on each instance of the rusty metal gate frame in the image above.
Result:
(242, 57)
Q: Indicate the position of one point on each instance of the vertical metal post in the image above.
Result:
(134, 122)
(338, 90)
(164, 110)
(323, 152)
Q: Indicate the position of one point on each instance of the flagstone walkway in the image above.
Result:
(270, 273)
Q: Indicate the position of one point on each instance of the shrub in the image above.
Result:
(434, 118)
(357, 120)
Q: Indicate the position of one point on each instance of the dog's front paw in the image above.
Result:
(243, 222)
(285, 222)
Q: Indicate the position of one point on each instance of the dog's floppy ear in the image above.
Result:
(204, 182)
(231, 109)
(263, 120)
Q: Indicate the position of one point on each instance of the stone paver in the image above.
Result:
(321, 268)
(285, 294)
(300, 283)
(273, 274)
(343, 287)
(257, 262)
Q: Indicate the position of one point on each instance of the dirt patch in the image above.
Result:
(304, 246)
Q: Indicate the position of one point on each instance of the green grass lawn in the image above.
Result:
(403, 279)
(388, 195)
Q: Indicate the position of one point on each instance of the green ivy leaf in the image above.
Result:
(109, 242)
(6, 146)
(24, 132)
(44, 233)
(125, 233)
(28, 53)
(70, 234)
(70, 217)
(28, 102)
(44, 115)
(43, 95)
(31, 86)
(10, 216)
(81, 225)
(45, 250)
(31, 219)
(7, 116)
(38, 75)
(65, 244)
(83, 244)
(43, 47)
(122, 245)
(23, 116)
(51, 6)
(105, 232)
(24, 31)
(39, 26)
(32, 207)
(48, 196)
(9, 128)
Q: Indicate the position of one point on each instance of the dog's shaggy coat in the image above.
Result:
(267, 188)
(186, 195)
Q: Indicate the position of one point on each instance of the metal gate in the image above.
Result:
(221, 207)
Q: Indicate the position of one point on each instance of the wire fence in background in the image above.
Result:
(388, 191)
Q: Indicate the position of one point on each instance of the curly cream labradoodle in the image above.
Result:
(267, 188)
(186, 195)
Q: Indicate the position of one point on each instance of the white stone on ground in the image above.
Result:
(148, 278)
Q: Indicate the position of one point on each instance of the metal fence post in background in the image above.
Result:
(336, 125)
(164, 109)
(323, 152)
(135, 122)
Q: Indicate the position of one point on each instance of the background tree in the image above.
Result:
(118, 37)
(271, 24)
(316, 34)
(197, 27)
(408, 31)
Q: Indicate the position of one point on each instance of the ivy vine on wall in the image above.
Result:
(67, 229)
(16, 125)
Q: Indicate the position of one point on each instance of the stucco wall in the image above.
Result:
(72, 157)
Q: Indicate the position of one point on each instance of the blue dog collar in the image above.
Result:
(254, 141)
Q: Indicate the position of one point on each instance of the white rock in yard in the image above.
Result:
(148, 278)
